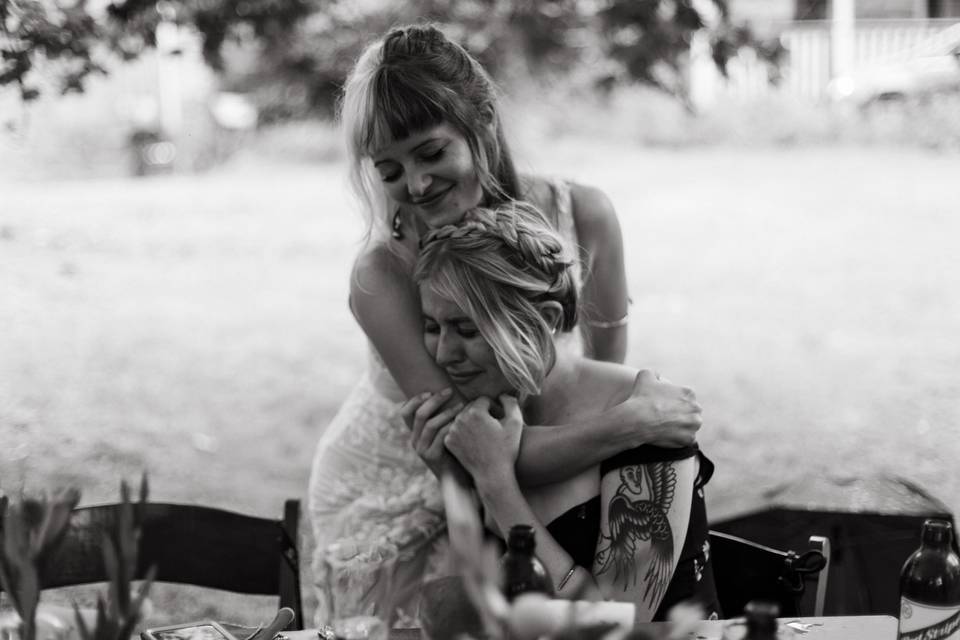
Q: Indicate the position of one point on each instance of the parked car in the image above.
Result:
(929, 68)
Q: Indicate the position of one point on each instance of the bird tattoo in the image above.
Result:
(636, 516)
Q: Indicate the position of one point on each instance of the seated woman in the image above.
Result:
(495, 290)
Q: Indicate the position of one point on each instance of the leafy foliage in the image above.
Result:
(32, 529)
(651, 39)
(66, 35)
(119, 613)
(306, 47)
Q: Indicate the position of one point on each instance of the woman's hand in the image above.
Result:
(668, 414)
(486, 446)
(429, 423)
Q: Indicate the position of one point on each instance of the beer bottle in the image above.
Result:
(760, 618)
(930, 587)
(520, 570)
(759, 622)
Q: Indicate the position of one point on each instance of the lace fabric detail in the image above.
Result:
(376, 511)
(375, 507)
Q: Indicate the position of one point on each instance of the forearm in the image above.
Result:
(608, 344)
(553, 453)
(506, 506)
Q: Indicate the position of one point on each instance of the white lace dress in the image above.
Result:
(375, 508)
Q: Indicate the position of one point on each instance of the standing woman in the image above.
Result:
(426, 144)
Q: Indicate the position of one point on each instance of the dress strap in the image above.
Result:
(563, 203)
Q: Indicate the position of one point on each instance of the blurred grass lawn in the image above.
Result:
(197, 326)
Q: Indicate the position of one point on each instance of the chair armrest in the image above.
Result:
(821, 544)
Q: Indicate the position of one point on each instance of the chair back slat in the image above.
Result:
(190, 544)
(289, 576)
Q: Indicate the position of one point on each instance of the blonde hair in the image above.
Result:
(413, 79)
(498, 265)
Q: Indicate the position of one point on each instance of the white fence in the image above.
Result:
(806, 71)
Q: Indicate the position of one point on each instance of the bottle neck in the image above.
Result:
(523, 550)
(937, 534)
(521, 539)
(936, 545)
(761, 619)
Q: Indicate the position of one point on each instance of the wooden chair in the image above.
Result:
(745, 571)
(194, 545)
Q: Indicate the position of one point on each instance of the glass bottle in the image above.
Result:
(760, 618)
(930, 586)
(520, 570)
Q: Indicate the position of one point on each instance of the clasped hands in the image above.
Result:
(486, 445)
(484, 435)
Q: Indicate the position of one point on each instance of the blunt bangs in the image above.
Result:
(402, 104)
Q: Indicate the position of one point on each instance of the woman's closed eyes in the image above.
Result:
(464, 328)
(391, 171)
(432, 155)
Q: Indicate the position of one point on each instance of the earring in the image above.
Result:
(397, 232)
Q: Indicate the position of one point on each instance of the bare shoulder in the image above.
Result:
(594, 215)
(610, 381)
(379, 264)
(379, 273)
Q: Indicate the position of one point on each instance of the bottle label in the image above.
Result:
(928, 622)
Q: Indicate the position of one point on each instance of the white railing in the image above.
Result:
(806, 71)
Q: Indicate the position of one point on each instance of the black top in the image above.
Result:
(578, 529)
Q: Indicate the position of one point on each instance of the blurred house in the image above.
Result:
(885, 45)
(929, 68)
(163, 111)
(760, 12)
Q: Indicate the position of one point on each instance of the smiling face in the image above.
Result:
(454, 342)
(432, 173)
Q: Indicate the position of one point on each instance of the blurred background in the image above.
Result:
(176, 231)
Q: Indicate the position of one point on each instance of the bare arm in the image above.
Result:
(645, 514)
(656, 412)
(504, 502)
(646, 499)
(387, 307)
(487, 448)
(604, 299)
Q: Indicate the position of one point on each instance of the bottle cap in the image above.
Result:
(521, 538)
(761, 616)
(937, 532)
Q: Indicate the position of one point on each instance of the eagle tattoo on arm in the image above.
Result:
(636, 516)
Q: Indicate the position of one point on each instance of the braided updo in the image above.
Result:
(498, 265)
(413, 79)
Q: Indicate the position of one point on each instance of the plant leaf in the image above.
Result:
(15, 537)
(6, 583)
(126, 547)
(56, 517)
(111, 566)
(82, 628)
(28, 594)
(103, 629)
(119, 614)
(136, 605)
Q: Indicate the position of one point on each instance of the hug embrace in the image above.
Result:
(495, 306)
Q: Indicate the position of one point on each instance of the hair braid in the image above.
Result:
(524, 234)
(414, 41)
(521, 229)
